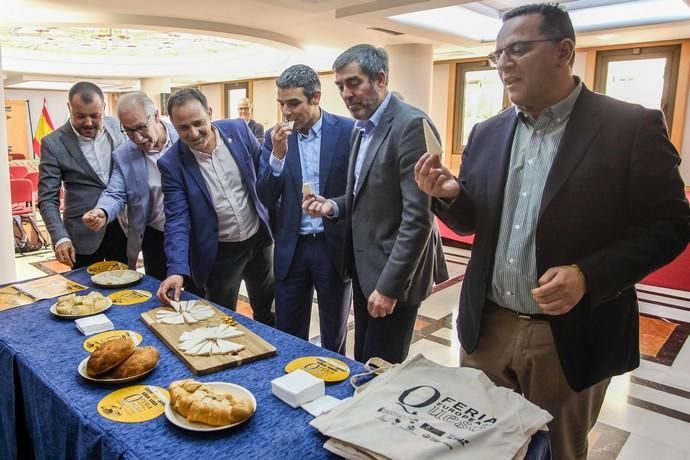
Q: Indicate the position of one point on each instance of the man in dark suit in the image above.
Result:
(307, 154)
(77, 156)
(574, 197)
(216, 229)
(393, 242)
(244, 110)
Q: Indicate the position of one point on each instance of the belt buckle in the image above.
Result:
(523, 315)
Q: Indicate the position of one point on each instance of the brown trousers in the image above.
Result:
(519, 353)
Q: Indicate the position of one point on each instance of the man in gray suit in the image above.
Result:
(78, 155)
(394, 247)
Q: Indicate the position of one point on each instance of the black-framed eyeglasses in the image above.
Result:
(141, 129)
(517, 49)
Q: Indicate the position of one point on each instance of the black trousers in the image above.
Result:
(113, 247)
(388, 337)
(155, 262)
(252, 261)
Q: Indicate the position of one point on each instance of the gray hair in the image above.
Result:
(183, 96)
(300, 76)
(371, 60)
(86, 92)
(138, 98)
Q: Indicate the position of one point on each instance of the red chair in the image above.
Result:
(18, 172)
(33, 177)
(21, 191)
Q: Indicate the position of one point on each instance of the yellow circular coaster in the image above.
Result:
(95, 341)
(105, 266)
(130, 296)
(327, 369)
(138, 403)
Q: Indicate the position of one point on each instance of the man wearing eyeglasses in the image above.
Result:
(136, 183)
(77, 157)
(574, 197)
(244, 110)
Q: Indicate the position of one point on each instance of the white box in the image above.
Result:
(298, 387)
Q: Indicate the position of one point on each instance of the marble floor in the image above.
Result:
(646, 414)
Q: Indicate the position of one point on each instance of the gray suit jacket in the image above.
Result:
(62, 161)
(395, 241)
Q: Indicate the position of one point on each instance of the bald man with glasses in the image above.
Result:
(136, 183)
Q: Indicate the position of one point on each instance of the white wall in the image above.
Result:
(440, 102)
(213, 96)
(264, 102)
(330, 96)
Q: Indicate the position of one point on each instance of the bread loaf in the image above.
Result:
(200, 403)
(108, 355)
(141, 360)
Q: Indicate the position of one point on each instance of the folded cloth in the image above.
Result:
(421, 409)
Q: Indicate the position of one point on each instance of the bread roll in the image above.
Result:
(109, 355)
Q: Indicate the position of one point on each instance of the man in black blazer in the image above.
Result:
(307, 154)
(574, 197)
(394, 249)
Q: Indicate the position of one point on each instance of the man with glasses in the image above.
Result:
(244, 110)
(574, 197)
(136, 183)
(77, 156)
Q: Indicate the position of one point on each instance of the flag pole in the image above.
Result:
(31, 126)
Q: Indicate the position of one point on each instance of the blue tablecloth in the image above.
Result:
(48, 411)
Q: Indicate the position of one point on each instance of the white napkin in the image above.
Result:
(321, 405)
(94, 324)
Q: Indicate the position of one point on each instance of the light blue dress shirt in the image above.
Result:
(368, 127)
(310, 162)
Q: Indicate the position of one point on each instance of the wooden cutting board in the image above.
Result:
(255, 347)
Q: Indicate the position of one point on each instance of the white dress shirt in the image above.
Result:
(237, 218)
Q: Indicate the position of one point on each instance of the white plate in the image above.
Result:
(231, 388)
(53, 310)
(82, 371)
(116, 278)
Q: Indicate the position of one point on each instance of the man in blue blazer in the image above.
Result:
(574, 197)
(216, 229)
(307, 154)
(136, 183)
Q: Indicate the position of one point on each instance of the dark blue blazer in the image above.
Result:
(613, 204)
(191, 223)
(283, 194)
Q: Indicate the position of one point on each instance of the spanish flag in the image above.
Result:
(44, 127)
